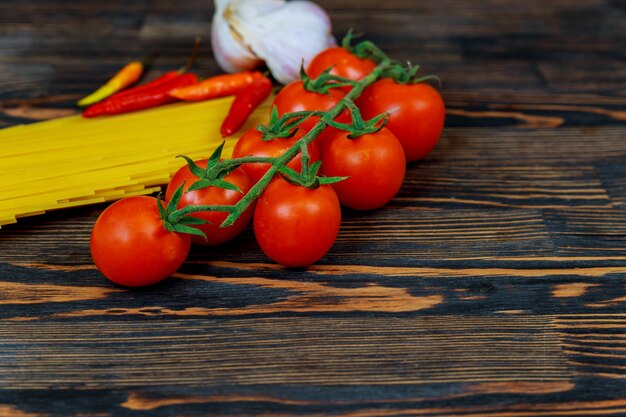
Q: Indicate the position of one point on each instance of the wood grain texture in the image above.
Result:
(307, 351)
(494, 284)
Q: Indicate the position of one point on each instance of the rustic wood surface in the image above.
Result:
(494, 284)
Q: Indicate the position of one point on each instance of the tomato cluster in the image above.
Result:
(137, 242)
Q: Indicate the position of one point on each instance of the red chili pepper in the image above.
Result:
(163, 78)
(150, 98)
(244, 104)
(148, 86)
(218, 86)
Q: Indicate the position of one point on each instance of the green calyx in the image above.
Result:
(212, 175)
(346, 42)
(408, 74)
(363, 49)
(308, 177)
(324, 82)
(179, 224)
(284, 126)
(359, 127)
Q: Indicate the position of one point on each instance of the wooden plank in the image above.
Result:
(563, 147)
(596, 232)
(317, 351)
(595, 344)
(35, 291)
(494, 284)
(392, 234)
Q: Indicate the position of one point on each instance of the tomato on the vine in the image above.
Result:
(342, 63)
(374, 164)
(131, 247)
(294, 225)
(416, 113)
(294, 97)
(212, 196)
(252, 144)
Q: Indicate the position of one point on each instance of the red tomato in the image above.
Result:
(212, 196)
(417, 113)
(374, 164)
(343, 63)
(294, 97)
(252, 144)
(131, 247)
(296, 226)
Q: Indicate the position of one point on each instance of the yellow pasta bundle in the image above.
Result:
(75, 161)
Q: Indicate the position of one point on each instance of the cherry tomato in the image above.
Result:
(343, 63)
(296, 226)
(294, 97)
(131, 247)
(212, 196)
(252, 144)
(417, 113)
(374, 164)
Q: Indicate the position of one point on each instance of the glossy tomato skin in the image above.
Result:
(131, 247)
(343, 63)
(417, 113)
(374, 164)
(294, 97)
(296, 226)
(252, 144)
(215, 235)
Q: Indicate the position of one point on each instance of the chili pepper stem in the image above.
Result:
(193, 57)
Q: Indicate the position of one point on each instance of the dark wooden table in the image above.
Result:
(494, 284)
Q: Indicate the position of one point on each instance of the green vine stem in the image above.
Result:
(326, 119)
(360, 127)
(284, 126)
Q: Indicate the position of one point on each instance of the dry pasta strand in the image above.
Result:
(73, 161)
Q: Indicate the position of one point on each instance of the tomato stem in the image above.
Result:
(324, 82)
(285, 126)
(304, 149)
(233, 163)
(360, 127)
(408, 74)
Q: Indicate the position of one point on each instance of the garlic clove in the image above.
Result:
(286, 55)
(231, 54)
(288, 36)
(251, 9)
(283, 34)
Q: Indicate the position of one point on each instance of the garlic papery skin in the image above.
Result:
(231, 54)
(283, 34)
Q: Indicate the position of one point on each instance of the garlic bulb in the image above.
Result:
(281, 33)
